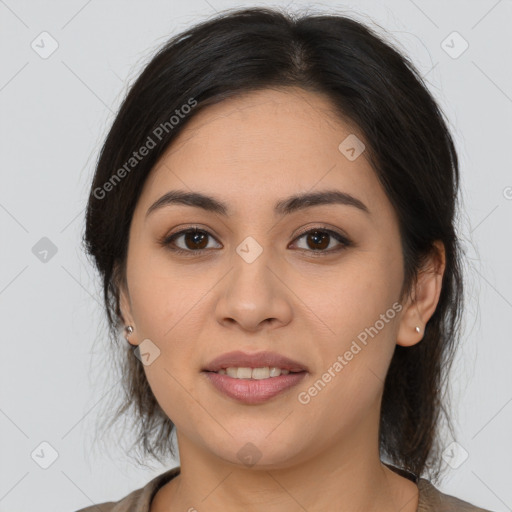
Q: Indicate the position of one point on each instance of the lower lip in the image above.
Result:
(254, 391)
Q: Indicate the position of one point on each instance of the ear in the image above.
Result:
(423, 299)
(125, 305)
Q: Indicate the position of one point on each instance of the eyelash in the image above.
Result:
(167, 240)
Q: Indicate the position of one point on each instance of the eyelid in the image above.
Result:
(321, 227)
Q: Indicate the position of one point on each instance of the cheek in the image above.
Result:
(168, 305)
(162, 294)
(351, 297)
(167, 310)
(359, 321)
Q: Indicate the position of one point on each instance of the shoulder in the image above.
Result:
(138, 500)
(132, 501)
(433, 500)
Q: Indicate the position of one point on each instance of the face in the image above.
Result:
(314, 284)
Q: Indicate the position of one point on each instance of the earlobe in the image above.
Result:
(423, 302)
(128, 332)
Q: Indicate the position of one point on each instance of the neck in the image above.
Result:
(348, 475)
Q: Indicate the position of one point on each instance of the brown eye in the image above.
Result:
(195, 240)
(192, 240)
(319, 240)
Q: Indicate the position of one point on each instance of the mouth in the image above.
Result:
(253, 378)
(261, 373)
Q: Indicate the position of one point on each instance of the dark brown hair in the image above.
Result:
(370, 84)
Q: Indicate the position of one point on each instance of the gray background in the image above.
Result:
(55, 111)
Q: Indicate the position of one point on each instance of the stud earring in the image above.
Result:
(418, 329)
(128, 329)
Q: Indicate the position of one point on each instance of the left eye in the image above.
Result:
(196, 241)
(321, 238)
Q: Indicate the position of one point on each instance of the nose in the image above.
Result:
(254, 295)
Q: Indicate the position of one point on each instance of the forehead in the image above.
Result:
(264, 145)
(287, 122)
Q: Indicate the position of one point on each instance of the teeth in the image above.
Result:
(253, 373)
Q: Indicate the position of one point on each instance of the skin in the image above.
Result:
(250, 152)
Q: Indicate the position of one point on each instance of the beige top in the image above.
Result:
(430, 499)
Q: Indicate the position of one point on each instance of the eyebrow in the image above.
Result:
(282, 207)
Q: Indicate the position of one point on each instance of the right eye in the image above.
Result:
(194, 241)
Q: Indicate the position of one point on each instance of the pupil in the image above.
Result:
(316, 235)
(196, 237)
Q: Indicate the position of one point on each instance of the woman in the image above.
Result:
(272, 215)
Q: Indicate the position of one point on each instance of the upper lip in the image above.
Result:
(257, 360)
